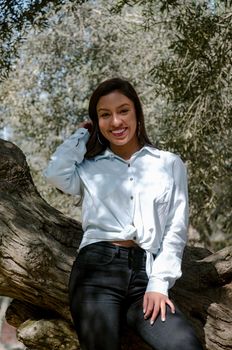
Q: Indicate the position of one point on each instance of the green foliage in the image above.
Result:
(16, 19)
(196, 80)
(177, 54)
(60, 65)
(163, 5)
(46, 95)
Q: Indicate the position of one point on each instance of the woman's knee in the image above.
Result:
(186, 340)
(181, 335)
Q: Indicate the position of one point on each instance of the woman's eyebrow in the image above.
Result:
(107, 109)
(124, 104)
(102, 109)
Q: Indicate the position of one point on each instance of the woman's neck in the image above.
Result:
(125, 151)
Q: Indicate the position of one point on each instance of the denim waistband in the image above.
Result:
(134, 251)
(112, 246)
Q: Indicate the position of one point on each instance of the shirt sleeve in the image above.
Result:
(62, 169)
(166, 267)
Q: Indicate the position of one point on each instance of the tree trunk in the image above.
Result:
(38, 246)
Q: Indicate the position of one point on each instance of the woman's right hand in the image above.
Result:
(87, 124)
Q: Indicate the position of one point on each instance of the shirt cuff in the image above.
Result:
(157, 285)
(78, 144)
(81, 133)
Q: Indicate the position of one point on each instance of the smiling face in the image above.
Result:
(118, 123)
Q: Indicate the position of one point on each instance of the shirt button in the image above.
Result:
(131, 197)
(134, 237)
(131, 178)
(128, 165)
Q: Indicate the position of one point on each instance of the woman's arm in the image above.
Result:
(62, 170)
(166, 267)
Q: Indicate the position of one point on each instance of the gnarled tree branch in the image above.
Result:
(38, 246)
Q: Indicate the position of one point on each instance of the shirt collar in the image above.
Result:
(107, 154)
(154, 151)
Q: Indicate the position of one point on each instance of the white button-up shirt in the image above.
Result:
(142, 199)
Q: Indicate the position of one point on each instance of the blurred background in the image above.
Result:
(178, 55)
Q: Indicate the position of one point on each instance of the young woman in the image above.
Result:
(134, 218)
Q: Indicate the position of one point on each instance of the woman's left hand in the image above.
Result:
(155, 303)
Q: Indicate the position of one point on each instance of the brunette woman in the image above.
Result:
(134, 218)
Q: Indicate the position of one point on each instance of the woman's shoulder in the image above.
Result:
(163, 154)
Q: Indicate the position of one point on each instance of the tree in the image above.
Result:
(33, 234)
(38, 246)
(197, 80)
(181, 68)
(194, 81)
(47, 93)
(16, 19)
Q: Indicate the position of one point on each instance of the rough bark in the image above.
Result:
(37, 248)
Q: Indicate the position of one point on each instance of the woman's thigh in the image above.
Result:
(175, 333)
(96, 290)
(97, 325)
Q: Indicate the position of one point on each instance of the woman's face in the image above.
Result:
(117, 121)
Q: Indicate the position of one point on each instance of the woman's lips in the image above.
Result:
(119, 132)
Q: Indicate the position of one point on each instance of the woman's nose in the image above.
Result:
(116, 120)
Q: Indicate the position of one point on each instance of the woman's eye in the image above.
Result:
(124, 111)
(105, 115)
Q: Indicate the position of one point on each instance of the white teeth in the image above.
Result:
(118, 131)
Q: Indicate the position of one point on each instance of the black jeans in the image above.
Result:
(106, 289)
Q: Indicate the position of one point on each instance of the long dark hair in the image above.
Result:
(97, 143)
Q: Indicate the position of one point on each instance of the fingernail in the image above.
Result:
(151, 323)
(144, 311)
(163, 319)
(173, 312)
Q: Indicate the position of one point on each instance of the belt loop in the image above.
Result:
(117, 250)
(130, 257)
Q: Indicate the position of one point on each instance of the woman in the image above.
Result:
(134, 218)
